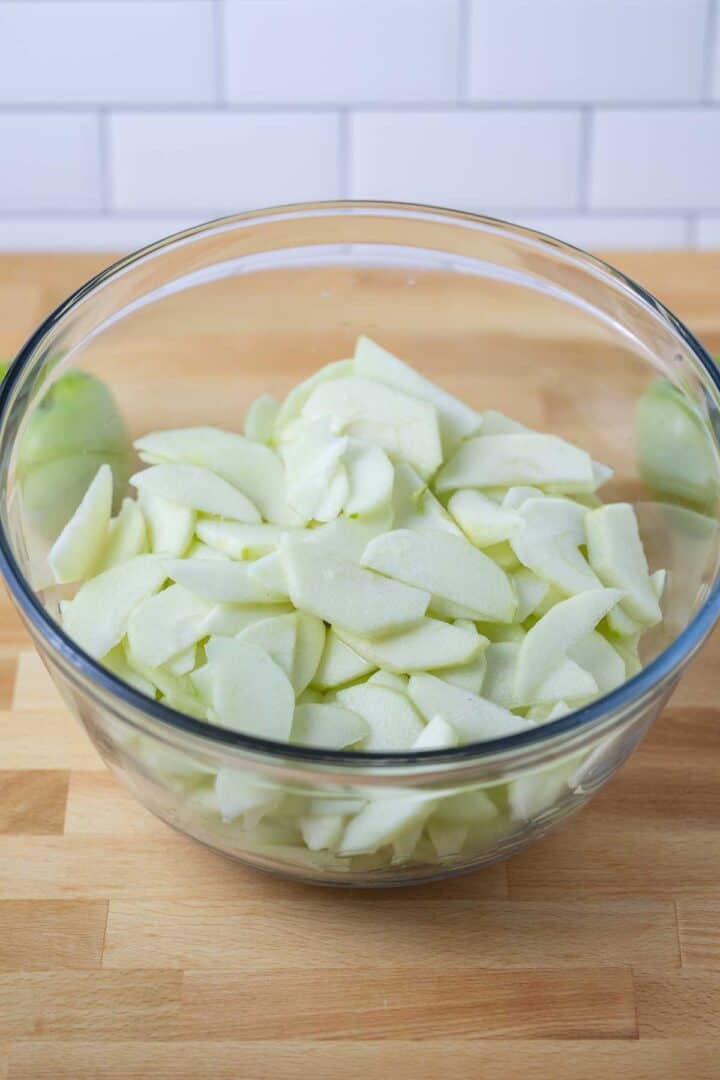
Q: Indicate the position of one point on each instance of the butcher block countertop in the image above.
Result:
(127, 951)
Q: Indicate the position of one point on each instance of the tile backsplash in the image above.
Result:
(594, 120)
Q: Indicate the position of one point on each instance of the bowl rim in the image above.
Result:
(659, 671)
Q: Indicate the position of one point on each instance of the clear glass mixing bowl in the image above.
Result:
(189, 330)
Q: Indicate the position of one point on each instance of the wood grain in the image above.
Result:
(129, 952)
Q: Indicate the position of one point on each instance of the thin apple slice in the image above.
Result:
(276, 636)
(294, 403)
(448, 840)
(393, 722)
(237, 793)
(620, 623)
(350, 596)
(447, 566)
(502, 460)
(165, 624)
(370, 477)
(438, 734)
(398, 683)
(317, 484)
(415, 506)
(530, 590)
(534, 792)
(170, 525)
(309, 647)
(339, 664)
(239, 541)
(260, 419)
(97, 617)
(403, 426)
(568, 680)
(322, 833)
(198, 488)
(548, 642)
(474, 718)
(616, 554)
(517, 495)
(79, 547)
(482, 520)
(269, 574)
(251, 468)
(456, 419)
(468, 807)
(330, 726)
(126, 537)
(597, 656)
(183, 662)
(405, 846)
(250, 692)
(116, 661)
(548, 542)
(221, 580)
(348, 537)
(227, 620)
(429, 644)
(470, 676)
(383, 821)
(177, 691)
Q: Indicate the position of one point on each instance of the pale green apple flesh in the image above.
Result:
(373, 566)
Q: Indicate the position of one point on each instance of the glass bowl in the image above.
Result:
(190, 329)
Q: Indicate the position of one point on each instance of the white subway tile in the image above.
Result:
(707, 233)
(612, 232)
(655, 159)
(108, 52)
(329, 51)
(217, 162)
(587, 50)
(714, 47)
(85, 233)
(505, 158)
(50, 161)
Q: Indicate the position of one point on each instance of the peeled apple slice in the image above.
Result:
(170, 525)
(403, 426)
(548, 541)
(437, 735)
(317, 483)
(530, 590)
(250, 692)
(339, 664)
(276, 637)
(295, 401)
(322, 833)
(398, 683)
(348, 537)
(549, 641)
(78, 548)
(469, 676)
(482, 520)
(502, 460)
(236, 794)
(332, 727)
(457, 420)
(466, 808)
(309, 646)
(165, 624)
(126, 538)
(356, 599)
(446, 566)
(260, 418)
(415, 506)
(116, 662)
(616, 554)
(384, 821)
(249, 467)
(221, 580)
(474, 718)
(429, 644)
(96, 618)
(269, 573)
(183, 662)
(198, 488)
(567, 681)
(239, 541)
(597, 656)
(447, 840)
(370, 477)
(393, 722)
(227, 620)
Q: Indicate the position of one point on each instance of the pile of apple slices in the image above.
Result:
(374, 565)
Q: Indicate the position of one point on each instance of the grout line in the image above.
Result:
(218, 38)
(586, 135)
(463, 74)
(691, 237)
(711, 36)
(344, 151)
(104, 162)
(400, 107)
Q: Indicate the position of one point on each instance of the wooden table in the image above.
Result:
(127, 951)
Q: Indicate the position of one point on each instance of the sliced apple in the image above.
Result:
(429, 644)
(403, 426)
(568, 680)
(277, 637)
(530, 590)
(482, 520)
(97, 617)
(237, 793)
(239, 541)
(597, 656)
(437, 734)
(457, 420)
(309, 647)
(322, 833)
(165, 624)
(339, 664)
(221, 580)
(448, 840)
(474, 718)
(126, 536)
(250, 692)
(183, 662)
(198, 488)
(355, 599)
(383, 821)
(79, 547)
(389, 679)
(616, 554)
(468, 807)
(415, 506)
(294, 403)
(330, 726)
(260, 419)
(370, 477)
(448, 567)
(392, 721)
(548, 542)
(227, 620)
(549, 641)
(502, 460)
(170, 525)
